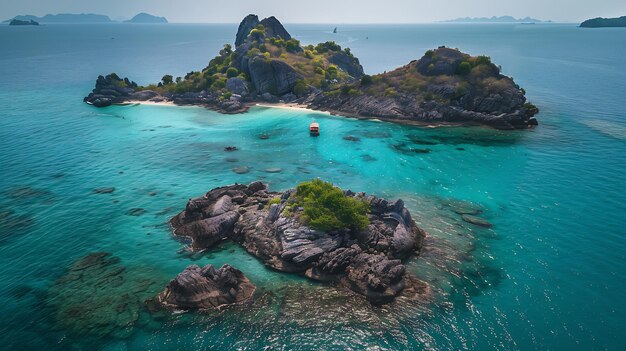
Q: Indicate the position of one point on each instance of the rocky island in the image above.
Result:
(17, 22)
(604, 22)
(351, 240)
(445, 86)
(146, 18)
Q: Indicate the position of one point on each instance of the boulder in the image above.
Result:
(237, 85)
(206, 288)
(272, 76)
(347, 63)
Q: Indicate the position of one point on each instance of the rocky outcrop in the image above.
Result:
(206, 288)
(367, 262)
(273, 28)
(246, 25)
(111, 90)
(272, 76)
(347, 63)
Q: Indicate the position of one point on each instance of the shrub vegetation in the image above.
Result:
(327, 207)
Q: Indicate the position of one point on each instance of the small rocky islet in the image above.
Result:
(445, 86)
(272, 227)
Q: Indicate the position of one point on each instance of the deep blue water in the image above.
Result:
(550, 274)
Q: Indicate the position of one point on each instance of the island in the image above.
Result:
(146, 18)
(604, 22)
(494, 19)
(445, 86)
(16, 22)
(351, 240)
(67, 18)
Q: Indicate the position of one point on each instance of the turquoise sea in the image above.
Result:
(550, 274)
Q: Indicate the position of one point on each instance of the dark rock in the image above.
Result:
(136, 212)
(106, 190)
(444, 61)
(231, 148)
(351, 138)
(143, 95)
(247, 25)
(272, 76)
(367, 261)
(237, 85)
(206, 288)
(476, 221)
(274, 29)
(347, 63)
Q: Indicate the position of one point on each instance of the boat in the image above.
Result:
(335, 31)
(314, 129)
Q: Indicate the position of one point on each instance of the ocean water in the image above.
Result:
(549, 275)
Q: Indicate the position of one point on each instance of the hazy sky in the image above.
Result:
(323, 11)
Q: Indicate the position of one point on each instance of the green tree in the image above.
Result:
(327, 207)
(232, 72)
(300, 88)
(366, 80)
(167, 79)
(464, 68)
(292, 45)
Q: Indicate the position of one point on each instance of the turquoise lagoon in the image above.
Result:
(548, 275)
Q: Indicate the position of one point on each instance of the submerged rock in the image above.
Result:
(106, 190)
(241, 170)
(476, 221)
(207, 287)
(366, 261)
(136, 212)
(97, 296)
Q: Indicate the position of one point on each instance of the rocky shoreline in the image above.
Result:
(367, 262)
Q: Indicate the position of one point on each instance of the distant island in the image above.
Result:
(86, 18)
(146, 18)
(604, 22)
(445, 86)
(17, 22)
(494, 19)
(66, 18)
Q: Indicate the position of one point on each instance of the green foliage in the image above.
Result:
(300, 88)
(308, 54)
(482, 60)
(327, 208)
(327, 46)
(232, 72)
(390, 92)
(531, 108)
(257, 33)
(331, 72)
(274, 200)
(167, 79)
(366, 80)
(292, 45)
(320, 70)
(464, 68)
(429, 53)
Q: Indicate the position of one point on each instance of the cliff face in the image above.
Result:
(267, 64)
